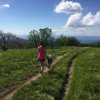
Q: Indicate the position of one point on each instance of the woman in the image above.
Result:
(41, 55)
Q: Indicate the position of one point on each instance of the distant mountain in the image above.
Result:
(85, 39)
(88, 39)
(23, 37)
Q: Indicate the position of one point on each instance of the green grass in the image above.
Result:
(49, 85)
(86, 77)
(16, 65)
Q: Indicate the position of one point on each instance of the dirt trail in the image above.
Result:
(67, 86)
(10, 92)
(68, 79)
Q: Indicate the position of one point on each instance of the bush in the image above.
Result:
(67, 41)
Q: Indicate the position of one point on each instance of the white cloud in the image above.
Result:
(77, 24)
(5, 6)
(78, 20)
(73, 20)
(80, 30)
(68, 7)
(90, 19)
(60, 31)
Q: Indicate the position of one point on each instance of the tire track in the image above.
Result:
(67, 81)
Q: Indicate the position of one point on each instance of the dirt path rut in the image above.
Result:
(68, 79)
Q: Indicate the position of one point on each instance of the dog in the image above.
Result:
(50, 59)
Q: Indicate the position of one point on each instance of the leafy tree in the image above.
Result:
(44, 35)
(34, 38)
(95, 44)
(70, 41)
(4, 39)
(51, 41)
(19, 43)
(61, 41)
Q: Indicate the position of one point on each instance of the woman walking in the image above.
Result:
(41, 55)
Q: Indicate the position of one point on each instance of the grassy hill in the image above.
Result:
(17, 65)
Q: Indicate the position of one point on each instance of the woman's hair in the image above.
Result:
(41, 43)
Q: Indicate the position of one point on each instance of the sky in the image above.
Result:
(69, 17)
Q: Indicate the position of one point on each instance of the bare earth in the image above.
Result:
(70, 78)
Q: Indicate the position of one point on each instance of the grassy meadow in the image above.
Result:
(51, 83)
(86, 77)
(16, 65)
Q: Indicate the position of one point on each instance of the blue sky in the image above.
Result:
(70, 17)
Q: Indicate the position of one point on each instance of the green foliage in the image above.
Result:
(44, 35)
(67, 41)
(49, 85)
(86, 77)
(21, 63)
(96, 44)
(72, 41)
(16, 65)
(34, 38)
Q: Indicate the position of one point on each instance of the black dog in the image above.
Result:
(50, 59)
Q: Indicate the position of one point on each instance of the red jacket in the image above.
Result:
(41, 53)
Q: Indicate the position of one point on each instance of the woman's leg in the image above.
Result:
(42, 64)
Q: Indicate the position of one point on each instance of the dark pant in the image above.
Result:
(42, 62)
